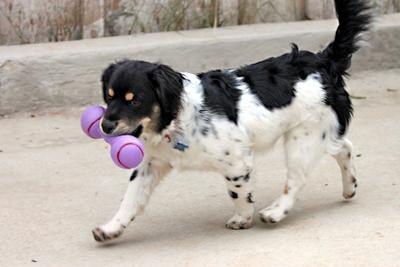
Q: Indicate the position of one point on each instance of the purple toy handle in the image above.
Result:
(126, 151)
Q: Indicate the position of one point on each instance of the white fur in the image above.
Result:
(307, 125)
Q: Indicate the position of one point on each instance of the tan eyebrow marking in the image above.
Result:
(129, 96)
(110, 92)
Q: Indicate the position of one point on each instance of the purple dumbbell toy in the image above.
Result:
(126, 150)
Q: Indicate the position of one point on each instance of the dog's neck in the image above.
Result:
(191, 100)
(178, 131)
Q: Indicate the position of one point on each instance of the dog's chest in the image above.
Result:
(190, 156)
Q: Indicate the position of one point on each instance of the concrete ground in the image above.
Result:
(56, 185)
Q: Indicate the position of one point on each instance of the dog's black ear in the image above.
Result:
(168, 86)
(107, 73)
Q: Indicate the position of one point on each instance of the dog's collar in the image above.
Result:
(177, 144)
(175, 135)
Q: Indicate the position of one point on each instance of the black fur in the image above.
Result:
(220, 93)
(233, 195)
(133, 176)
(272, 79)
(152, 84)
(249, 198)
(106, 76)
(354, 18)
(169, 86)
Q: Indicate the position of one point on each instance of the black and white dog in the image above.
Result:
(218, 120)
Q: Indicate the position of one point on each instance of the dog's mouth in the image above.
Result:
(126, 130)
(137, 132)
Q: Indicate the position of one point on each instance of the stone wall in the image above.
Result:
(31, 21)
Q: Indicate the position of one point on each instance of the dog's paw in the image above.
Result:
(237, 222)
(273, 214)
(349, 195)
(349, 191)
(101, 235)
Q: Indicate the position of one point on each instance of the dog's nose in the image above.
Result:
(108, 126)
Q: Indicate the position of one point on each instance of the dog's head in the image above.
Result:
(140, 95)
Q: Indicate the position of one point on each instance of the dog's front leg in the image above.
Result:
(141, 185)
(240, 189)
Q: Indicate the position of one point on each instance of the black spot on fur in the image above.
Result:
(250, 198)
(227, 178)
(133, 176)
(204, 131)
(227, 153)
(220, 93)
(238, 185)
(205, 116)
(233, 195)
(213, 130)
(243, 177)
(323, 135)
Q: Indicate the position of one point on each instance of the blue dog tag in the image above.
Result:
(180, 146)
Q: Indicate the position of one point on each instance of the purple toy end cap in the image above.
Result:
(127, 152)
(90, 121)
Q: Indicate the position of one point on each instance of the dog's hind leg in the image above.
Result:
(141, 185)
(304, 146)
(345, 160)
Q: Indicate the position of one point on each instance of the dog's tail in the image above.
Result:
(355, 17)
